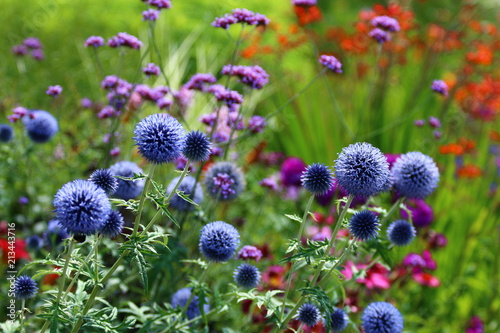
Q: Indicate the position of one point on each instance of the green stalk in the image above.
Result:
(391, 210)
(23, 303)
(142, 200)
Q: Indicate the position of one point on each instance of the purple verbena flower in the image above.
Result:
(151, 69)
(248, 252)
(240, 16)
(199, 81)
(419, 122)
(381, 36)
(270, 183)
(33, 43)
(304, 3)
(164, 103)
(95, 41)
(256, 124)
(254, 76)
(150, 15)
(160, 4)
(124, 39)
(38, 55)
(54, 90)
(331, 62)
(386, 23)
(434, 122)
(230, 97)
(440, 87)
(19, 50)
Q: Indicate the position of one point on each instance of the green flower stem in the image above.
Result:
(343, 256)
(98, 61)
(391, 210)
(142, 199)
(23, 304)
(301, 230)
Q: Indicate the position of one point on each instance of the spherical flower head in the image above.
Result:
(317, 178)
(180, 298)
(386, 23)
(94, 41)
(6, 133)
(362, 170)
(34, 242)
(382, 317)
(113, 225)
(127, 189)
(55, 233)
(291, 171)
(159, 138)
(247, 276)
(415, 175)
(225, 181)
(331, 62)
(401, 232)
(381, 36)
(364, 225)
(105, 180)
(308, 314)
(150, 15)
(338, 320)
(440, 87)
(186, 186)
(25, 287)
(81, 207)
(248, 252)
(218, 241)
(151, 70)
(197, 147)
(40, 125)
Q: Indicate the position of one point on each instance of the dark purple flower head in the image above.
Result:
(19, 50)
(330, 62)
(421, 212)
(386, 23)
(240, 16)
(291, 171)
(304, 3)
(338, 320)
(364, 225)
(54, 90)
(150, 14)
(33, 43)
(256, 124)
(34, 242)
(440, 87)
(109, 82)
(317, 178)
(230, 97)
(246, 276)
(248, 252)
(151, 69)
(253, 76)
(107, 112)
(437, 240)
(81, 207)
(38, 55)
(113, 225)
(164, 103)
(197, 147)
(225, 181)
(160, 4)
(437, 134)
(95, 41)
(124, 39)
(308, 314)
(434, 122)
(381, 36)
(23, 200)
(105, 179)
(25, 287)
(401, 232)
(199, 81)
(382, 317)
(40, 125)
(475, 325)
(218, 241)
(414, 260)
(6, 133)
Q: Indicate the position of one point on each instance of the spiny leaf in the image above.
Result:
(294, 217)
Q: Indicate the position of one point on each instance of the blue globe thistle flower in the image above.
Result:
(6, 133)
(247, 276)
(55, 233)
(34, 242)
(180, 298)
(197, 147)
(401, 232)
(25, 287)
(186, 186)
(308, 314)
(113, 225)
(127, 189)
(382, 317)
(81, 207)
(317, 178)
(364, 225)
(105, 180)
(362, 170)
(159, 138)
(338, 320)
(218, 241)
(224, 180)
(415, 175)
(40, 125)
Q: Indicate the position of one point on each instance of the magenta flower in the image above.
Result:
(331, 62)
(54, 90)
(150, 15)
(95, 41)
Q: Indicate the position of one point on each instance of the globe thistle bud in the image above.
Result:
(127, 189)
(197, 147)
(382, 317)
(401, 232)
(105, 180)
(180, 298)
(247, 276)
(364, 225)
(113, 225)
(218, 241)
(25, 287)
(309, 314)
(415, 175)
(40, 125)
(338, 320)
(317, 178)
(6, 133)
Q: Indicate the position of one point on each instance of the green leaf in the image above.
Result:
(186, 197)
(142, 271)
(294, 217)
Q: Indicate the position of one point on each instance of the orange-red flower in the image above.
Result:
(469, 171)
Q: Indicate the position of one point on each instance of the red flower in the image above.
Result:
(19, 249)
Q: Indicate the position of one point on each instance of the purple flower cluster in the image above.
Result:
(160, 4)
(151, 69)
(331, 62)
(440, 87)
(54, 90)
(386, 23)
(231, 98)
(256, 124)
(304, 3)
(95, 41)
(248, 252)
(254, 76)
(29, 44)
(198, 81)
(107, 112)
(118, 91)
(124, 39)
(150, 15)
(380, 35)
(240, 15)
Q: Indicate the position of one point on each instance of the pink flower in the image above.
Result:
(426, 279)
(376, 276)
